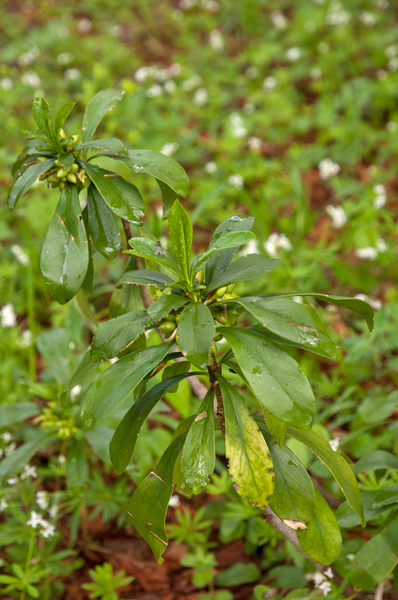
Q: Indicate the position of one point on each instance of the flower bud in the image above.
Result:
(74, 168)
(213, 348)
(232, 316)
(72, 178)
(62, 173)
(167, 327)
(228, 297)
(62, 134)
(221, 291)
(61, 185)
(230, 287)
(57, 163)
(41, 158)
(74, 139)
(221, 319)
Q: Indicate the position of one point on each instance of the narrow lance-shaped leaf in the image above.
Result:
(163, 307)
(113, 387)
(42, 114)
(108, 145)
(245, 449)
(230, 240)
(336, 464)
(64, 258)
(274, 377)
(102, 225)
(146, 277)
(180, 233)
(154, 251)
(148, 506)
(244, 268)
(96, 108)
(62, 115)
(125, 437)
(117, 334)
(25, 180)
(85, 367)
(196, 331)
(198, 455)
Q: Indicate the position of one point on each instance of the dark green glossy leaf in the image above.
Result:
(175, 369)
(113, 387)
(25, 179)
(125, 437)
(122, 197)
(64, 258)
(85, 367)
(76, 468)
(168, 197)
(274, 377)
(126, 298)
(152, 250)
(245, 449)
(145, 277)
(62, 115)
(97, 107)
(162, 167)
(117, 334)
(276, 427)
(379, 459)
(66, 160)
(180, 234)
(108, 145)
(294, 496)
(163, 307)
(42, 114)
(148, 506)
(53, 345)
(229, 240)
(196, 331)
(244, 268)
(336, 464)
(378, 557)
(198, 456)
(102, 225)
(88, 283)
(15, 462)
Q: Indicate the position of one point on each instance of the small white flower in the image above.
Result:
(26, 339)
(62, 458)
(186, 4)
(275, 242)
(154, 91)
(48, 529)
(10, 449)
(393, 64)
(328, 573)
(270, 83)
(200, 97)
(248, 108)
(174, 70)
(336, 15)
(278, 19)
(382, 4)
(170, 86)
(31, 79)
(6, 436)
(350, 556)
(35, 520)
(113, 360)
(376, 304)
(381, 74)
(142, 73)
(6, 84)
(327, 168)
(326, 587)
(369, 19)
(390, 51)
(170, 148)
(391, 126)
(255, 143)
(334, 444)
(238, 129)
(211, 5)
(75, 391)
(366, 253)
(65, 58)
(379, 189)
(216, 40)
(84, 26)
(53, 511)
(72, 74)
(191, 83)
(237, 181)
(250, 248)
(28, 57)
(316, 73)
(174, 501)
(381, 245)
(29, 471)
(19, 254)
(318, 578)
(211, 167)
(293, 54)
(338, 215)
(3, 504)
(42, 499)
(323, 47)
(12, 480)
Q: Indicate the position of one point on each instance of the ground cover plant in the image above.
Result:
(294, 128)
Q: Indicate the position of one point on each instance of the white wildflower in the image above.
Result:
(248, 108)
(84, 25)
(276, 242)
(35, 520)
(170, 86)
(170, 148)
(338, 215)
(10, 449)
(293, 54)
(278, 19)
(113, 360)
(6, 84)
(211, 167)
(174, 501)
(19, 254)
(328, 573)
(6, 437)
(381, 245)
(154, 91)
(239, 131)
(391, 126)
(53, 511)
(191, 83)
(237, 181)
(216, 40)
(254, 143)
(381, 74)
(316, 73)
(72, 74)
(327, 168)
(29, 471)
(379, 189)
(142, 73)
(31, 79)
(65, 58)
(62, 458)
(186, 4)
(3, 504)
(174, 70)
(28, 57)
(336, 15)
(12, 480)
(317, 578)
(390, 51)
(350, 556)
(382, 4)
(42, 499)
(200, 97)
(367, 18)
(270, 83)
(393, 64)
(250, 248)
(48, 529)
(326, 587)
(211, 5)
(75, 391)
(368, 253)
(334, 444)
(375, 304)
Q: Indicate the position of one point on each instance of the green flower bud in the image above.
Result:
(221, 291)
(53, 179)
(62, 134)
(171, 317)
(72, 178)
(74, 168)
(213, 348)
(55, 184)
(62, 173)
(230, 287)
(228, 297)
(61, 185)
(232, 316)
(57, 163)
(167, 327)
(218, 337)
(199, 277)
(41, 158)
(221, 319)
(74, 139)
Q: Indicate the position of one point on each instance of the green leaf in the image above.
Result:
(53, 345)
(230, 240)
(322, 538)
(108, 145)
(175, 369)
(76, 468)
(96, 108)
(336, 464)
(15, 462)
(42, 114)
(114, 385)
(276, 427)
(145, 277)
(378, 557)
(148, 506)
(117, 334)
(379, 459)
(180, 234)
(355, 304)
(154, 251)
(220, 261)
(238, 574)
(25, 179)
(198, 455)
(164, 305)
(85, 367)
(125, 437)
(66, 160)
(102, 225)
(17, 413)
(62, 115)
(64, 257)
(168, 197)
(196, 331)
(273, 376)
(122, 197)
(244, 268)
(245, 449)
(294, 496)
(288, 322)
